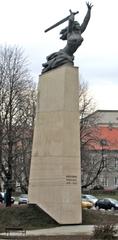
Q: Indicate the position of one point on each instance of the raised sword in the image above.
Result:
(60, 22)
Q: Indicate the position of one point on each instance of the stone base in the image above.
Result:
(55, 181)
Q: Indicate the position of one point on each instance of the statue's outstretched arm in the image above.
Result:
(87, 17)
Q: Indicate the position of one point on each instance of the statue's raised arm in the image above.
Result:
(87, 17)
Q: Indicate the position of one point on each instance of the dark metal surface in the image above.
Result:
(73, 34)
(60, 22)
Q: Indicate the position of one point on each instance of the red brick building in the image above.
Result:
(107, 147)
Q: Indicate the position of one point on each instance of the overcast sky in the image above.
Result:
(22, 22)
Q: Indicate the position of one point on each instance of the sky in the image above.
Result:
(22, 23)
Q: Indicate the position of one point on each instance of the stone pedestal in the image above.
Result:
(55, 181)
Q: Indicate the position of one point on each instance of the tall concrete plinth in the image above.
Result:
(55, 181)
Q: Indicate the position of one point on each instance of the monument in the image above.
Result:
(55, 174)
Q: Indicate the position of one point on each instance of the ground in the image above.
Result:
(32, 217)
(51, 238)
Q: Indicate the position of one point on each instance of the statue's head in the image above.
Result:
(76, 26)
(64, 32)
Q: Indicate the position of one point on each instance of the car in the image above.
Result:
(3, 197)
(107, 204)
(89, 198)
(86, 204)
(23, 199)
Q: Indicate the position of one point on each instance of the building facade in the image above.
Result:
(106, 149)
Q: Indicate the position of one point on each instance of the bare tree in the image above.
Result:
(24, 146)
(91, 165)
(15, 114)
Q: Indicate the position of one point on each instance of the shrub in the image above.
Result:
(105, 232)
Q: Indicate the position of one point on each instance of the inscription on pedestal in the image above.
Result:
(71, 179)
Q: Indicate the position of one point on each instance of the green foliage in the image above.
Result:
(105, 232)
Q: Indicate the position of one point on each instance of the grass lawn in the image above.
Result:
(25, 216)
(32, 217)
(103, 194)
(99, 217)
(107, 195)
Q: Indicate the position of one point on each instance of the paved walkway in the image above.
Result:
(62, 230)
(56, 231)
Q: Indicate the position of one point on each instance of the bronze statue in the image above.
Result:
(72, 34)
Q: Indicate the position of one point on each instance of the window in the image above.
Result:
(105, 162)
(116, 162)
(116, 181)
(105, 182)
